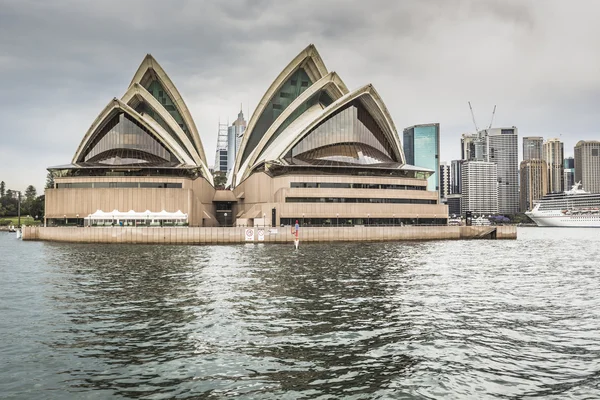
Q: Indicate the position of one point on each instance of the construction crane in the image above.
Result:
(493, 115)
(473, 115)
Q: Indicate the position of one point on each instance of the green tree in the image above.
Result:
(220, 180)
(37, 208)
(30, 193)
(49, 181)
(2, 189)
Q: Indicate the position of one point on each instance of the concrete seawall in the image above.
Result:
(172, 235)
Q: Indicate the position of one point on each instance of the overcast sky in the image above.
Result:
(62, 61)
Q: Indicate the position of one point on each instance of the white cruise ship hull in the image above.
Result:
(558, 219)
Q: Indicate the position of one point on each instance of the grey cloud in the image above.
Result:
(61, 62)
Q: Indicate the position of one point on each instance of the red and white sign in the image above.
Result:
(261, 234)
(249, 235)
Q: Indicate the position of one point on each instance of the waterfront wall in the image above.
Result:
(203, 235)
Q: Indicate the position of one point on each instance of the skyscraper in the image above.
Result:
(444, 180)
(479, 187)
(422, 149)
(455, 176)
(569, 172)
(534, 182)
(532, 147)
(234, 137)
(587, 165)
(503, 150)
(554, 157)
(473, 146)
(221, 154)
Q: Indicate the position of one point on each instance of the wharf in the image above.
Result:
(230, 235)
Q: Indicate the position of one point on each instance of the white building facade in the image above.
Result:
(479, 187)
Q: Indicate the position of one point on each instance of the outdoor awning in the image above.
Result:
(133, 215)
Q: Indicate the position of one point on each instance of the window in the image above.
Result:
(595, 152)
(124, 141)
(356, 200)
(275, 107)
(351, 135)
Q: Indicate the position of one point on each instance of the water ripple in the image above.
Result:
(460, 319)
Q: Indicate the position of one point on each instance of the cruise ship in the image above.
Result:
(573, 208)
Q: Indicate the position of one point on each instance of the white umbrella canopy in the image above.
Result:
(133, 215)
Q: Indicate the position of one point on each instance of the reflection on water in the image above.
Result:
(433, 319)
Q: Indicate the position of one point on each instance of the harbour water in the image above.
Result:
(439, 319)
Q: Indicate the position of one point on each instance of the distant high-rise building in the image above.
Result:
(454, 201)
(587, 165)
(532, 148)
(554, 157)
(422, 149)
(473, 146)
(534, 182)
(467, 146)
(234, 137)
(569, 172)
(444, 180)
(502, 145)
(455, 176)
(221, 154)
(479, 187)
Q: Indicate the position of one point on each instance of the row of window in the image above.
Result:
(342, 221)
(87, 185)
(333, 185)
(356, 200)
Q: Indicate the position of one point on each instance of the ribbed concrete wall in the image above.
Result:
(270, 235)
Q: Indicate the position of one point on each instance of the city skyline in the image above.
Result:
(56, 81)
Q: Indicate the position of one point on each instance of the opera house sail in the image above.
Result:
(142, 153)
(315, 151)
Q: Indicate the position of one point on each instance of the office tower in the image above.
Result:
(221, 154)
(444, 180)
(234, 137)
(455, 176)
(569, 172)
(467, 146)
(422, 149)
(473, 146)
(502, 146)
(479, 187)
(587, 165)
(454, 202)
(534, 182)
(532, 148)
(554, 157)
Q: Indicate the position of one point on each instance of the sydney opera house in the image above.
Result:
(313, 151)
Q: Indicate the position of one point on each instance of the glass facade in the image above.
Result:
(123, 141)
(421, 148)
(351, 135)
(335, 168)
(333, 185)
(321, 98)
(160, 94)
(285, 95)
(356, 200)
(143, 108)
(342, 221)
(89, 185)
